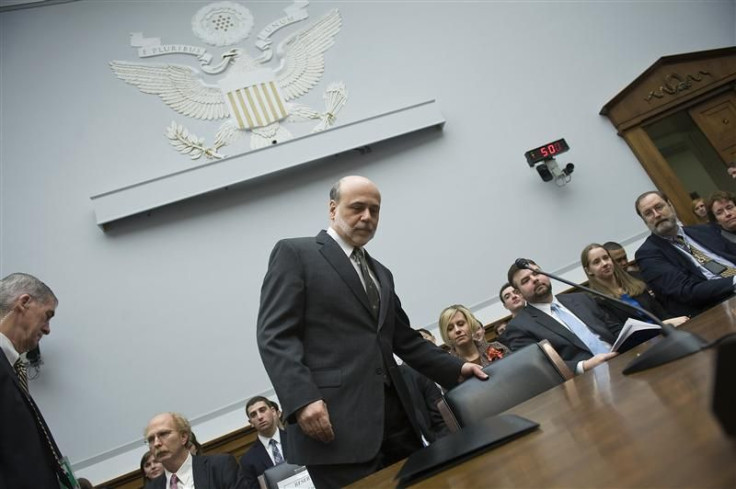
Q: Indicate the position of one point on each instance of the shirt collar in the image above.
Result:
(7, 347)
(265, 440)
(184, 473)
(346, 248)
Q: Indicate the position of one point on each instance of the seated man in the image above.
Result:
(618, 254)
(167, 435)
(513, 302)
(722, 211)
(690, 268)
(580, 331)
(268, 450)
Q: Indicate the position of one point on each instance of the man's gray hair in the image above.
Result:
(17, 284)
(335, 191)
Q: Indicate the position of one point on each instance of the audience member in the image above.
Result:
(722, 211)
(690, 268)
(150, 467)
(328, 326)
(195, 448)
(29, 457)
(168, 437)
(580, 331)
(607, 277)
(511, 299)
(427, 335)
(618, 253)
(268, 450)
(460, 331)
(699, 210)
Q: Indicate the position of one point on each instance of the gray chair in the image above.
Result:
(512, 380)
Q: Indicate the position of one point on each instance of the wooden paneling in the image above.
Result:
(717, 119)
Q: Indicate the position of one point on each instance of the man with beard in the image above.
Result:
(328, 326)
(580, 331)
(690, 268)
(168, 435)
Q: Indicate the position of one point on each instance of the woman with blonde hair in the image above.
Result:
(460, 331)
(607, 277)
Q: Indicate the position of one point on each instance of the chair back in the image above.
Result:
(512, 380)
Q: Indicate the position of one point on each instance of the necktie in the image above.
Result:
(370, 286)
(702, 258)
(22, 371)
(277, 457)
(591, 340)
(174, 483)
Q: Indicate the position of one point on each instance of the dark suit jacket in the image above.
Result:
(218, 471)
(318, 340)
(532, 325)
(678, 283)
(26, 461)
(254, 462)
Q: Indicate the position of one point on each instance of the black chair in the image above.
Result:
(512, 380)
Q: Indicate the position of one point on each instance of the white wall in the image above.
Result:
(158, 313)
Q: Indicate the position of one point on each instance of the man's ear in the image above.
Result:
(333, 207)
(23, 301)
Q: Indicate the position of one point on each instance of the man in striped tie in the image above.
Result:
(268, 450)
(690, 268)
(29, 457)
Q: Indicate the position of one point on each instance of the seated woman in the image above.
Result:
(458, 328)
(150, 467)
(606, 276)
(700, 210)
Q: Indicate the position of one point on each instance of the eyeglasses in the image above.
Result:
(161, 435)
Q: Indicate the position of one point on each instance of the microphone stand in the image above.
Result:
(675, 344)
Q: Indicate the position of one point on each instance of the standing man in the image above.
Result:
(268, 451)
(168, 436)
(580, 331)
(690, 268)
(29, 457)
(328, 326)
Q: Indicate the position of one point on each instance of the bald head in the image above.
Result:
(355, 204)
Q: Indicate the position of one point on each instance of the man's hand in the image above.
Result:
(469, 370)
(314, 420)
(597, 360)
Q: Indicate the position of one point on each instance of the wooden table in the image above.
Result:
(605, 430)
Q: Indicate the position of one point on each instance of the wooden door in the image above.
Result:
(716, 118)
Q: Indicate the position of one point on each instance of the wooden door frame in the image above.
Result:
(672, 84)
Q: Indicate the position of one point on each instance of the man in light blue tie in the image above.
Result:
(580, 331)
(268, 450)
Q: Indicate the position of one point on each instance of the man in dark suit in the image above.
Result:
(328, 326)
(580, 331)
(167, 435)
(690, 268)
(29, 457)
(267, 450)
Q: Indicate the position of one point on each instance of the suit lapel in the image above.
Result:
(552, 325)
(674, 254)
(336, 257)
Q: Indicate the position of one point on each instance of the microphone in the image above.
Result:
(675, 344)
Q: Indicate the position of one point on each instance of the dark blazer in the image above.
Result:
(532, 325)
(678, 283)
(26, 461)
(218, 471)
(319, 340)
(254, 462)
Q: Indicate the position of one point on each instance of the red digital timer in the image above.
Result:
(546, 151)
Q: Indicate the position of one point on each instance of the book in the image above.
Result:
(634, 333)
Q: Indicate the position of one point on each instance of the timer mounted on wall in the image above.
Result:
(543, 157)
